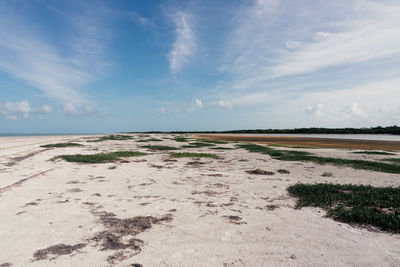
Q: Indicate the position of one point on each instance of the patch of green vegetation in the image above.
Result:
(62, 145)
(394, 160)
(160, 147)
(222, 148)
(181, 139)
(305, 156)
(197, 145)
(112, 137)
(101, 157)
(212, 141)
(149, 140)
(193, 155)
(377, 206)
(373, 152)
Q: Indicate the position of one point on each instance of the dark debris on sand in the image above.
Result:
(57, 250)
(260, 172)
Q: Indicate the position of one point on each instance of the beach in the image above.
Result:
(157, 209)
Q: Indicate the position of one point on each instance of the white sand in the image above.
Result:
(66, 199)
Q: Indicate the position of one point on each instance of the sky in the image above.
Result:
(124, 65)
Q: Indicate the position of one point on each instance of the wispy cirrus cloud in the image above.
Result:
(184, 45)
(270, 39)
(38, 60)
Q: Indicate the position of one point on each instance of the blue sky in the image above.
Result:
(109, 66)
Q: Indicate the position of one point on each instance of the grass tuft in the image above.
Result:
(160, 147)
(373, 153)
(100, 157)
(197, 145)
(149, 140)
(112, 137)
(289, 155)
(181, 139)
(193, 155)
(377, 206)
(212, 141)
(62, 145)
(394, 160)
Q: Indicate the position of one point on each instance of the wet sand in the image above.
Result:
(156, 210)
(312, 142)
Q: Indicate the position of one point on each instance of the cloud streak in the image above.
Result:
(184, 45)
(58, 71)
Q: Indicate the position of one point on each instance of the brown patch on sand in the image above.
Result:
(235, 219)
(6, 264)
(282, 171)
(119, 229)
(310, 142)
(57, 250)
(260, 172)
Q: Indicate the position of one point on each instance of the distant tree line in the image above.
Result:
(373, 130)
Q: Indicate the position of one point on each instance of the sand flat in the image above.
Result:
(211, 213)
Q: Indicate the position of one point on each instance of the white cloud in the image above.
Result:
(11, 110)
(326, 36)
(225, 104)
(293, 44)
(78, 110)
(60, 71)
(315, 110)
(182, 49)
(198, 103)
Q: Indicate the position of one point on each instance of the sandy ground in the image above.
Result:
(207, 214)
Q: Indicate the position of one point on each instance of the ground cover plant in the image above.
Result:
(118, 137)
(100, 157)
(377, 206)
(212, 141)
(62, 145)
(160, 147)
(394, 160)
(197, 144)
(181, 139)
(149, 140)
(193, 155)
(291, 155)
(373, 153)
(222, 148)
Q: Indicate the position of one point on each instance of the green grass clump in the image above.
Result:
(112, 137)
(193, 155)
(197, 145)
(62, 145)
(160, 147)
(394, 160)
(373, 153)
(305, 156)
(181, 139)
(377, 206)
(212, 141)
(149, 140)
(101, 157)
(222, 148)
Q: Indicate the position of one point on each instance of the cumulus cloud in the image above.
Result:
(198, 103)
(11, 110)
(78, 110)
(224, 104)
(315, 110)
(184, 45)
